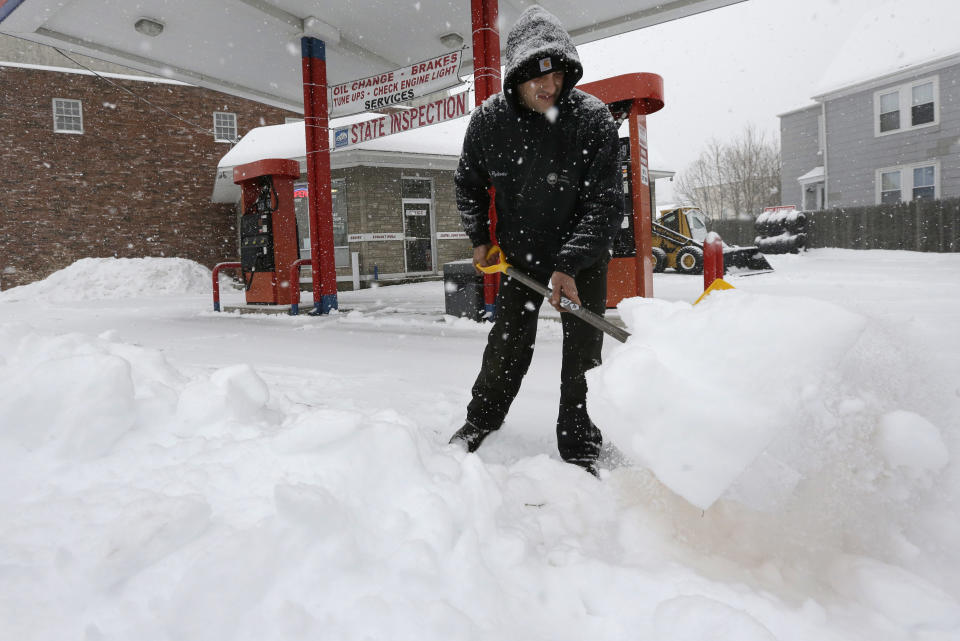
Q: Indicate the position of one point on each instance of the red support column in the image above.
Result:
(486, 48)
(642, 206)
(315, 112)
(486, 77)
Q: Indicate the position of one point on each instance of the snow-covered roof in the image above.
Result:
(806, 107)
(812, 176)
(289, 141)
(84, 72)
(434, 147)
(876, 48)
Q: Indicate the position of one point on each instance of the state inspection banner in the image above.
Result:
(395, 87)
(431, 113)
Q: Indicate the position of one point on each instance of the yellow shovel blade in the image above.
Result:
(714, 286)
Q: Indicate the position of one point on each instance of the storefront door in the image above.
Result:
(418, 243)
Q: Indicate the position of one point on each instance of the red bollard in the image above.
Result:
(295, 284)
(712, 259)
(216, 282)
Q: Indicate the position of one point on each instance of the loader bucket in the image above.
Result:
(745, 258)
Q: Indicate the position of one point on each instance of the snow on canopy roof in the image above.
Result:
(890, 37)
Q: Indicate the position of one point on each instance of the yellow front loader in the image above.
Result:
(677, 241)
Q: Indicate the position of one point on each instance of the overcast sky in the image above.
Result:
(748, 62)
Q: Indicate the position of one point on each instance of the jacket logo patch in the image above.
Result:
(498, 174)
(552, 178)
(546, 64)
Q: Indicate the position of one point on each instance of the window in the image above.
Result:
(224, 127)
(301, 203)
(416, 188)
(909, 182)
(906, 107)
(890, 187)
(698, 226)
(923, 183)
(670, 220)
(890, 111)
(67, 116)
(922, 110)
(338, 193)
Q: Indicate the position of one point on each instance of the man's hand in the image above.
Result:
(563, 286)
(480, 257)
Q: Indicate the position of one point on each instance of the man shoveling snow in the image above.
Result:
(551, 153)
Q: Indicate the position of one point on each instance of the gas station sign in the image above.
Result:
(395, 87)
(432, 113)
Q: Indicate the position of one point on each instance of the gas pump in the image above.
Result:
(268, 229)
(631, 97)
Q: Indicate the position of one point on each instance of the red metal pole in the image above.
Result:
(315, 118)
(216, 282)
(486, 76)
(712, 259)
(486, 48)
(640, 185)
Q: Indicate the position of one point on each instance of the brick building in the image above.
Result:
(89, 169)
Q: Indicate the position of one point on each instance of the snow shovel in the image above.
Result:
(585, 315)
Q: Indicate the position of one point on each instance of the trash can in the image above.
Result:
(463, 290)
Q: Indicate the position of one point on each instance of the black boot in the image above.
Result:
(590, 466)
(578, 439)
(469, 436)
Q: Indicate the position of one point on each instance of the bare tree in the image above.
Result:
(735, 179)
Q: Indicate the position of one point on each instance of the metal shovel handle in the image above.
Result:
(503, 267)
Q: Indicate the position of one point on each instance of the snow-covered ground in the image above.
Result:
(174, 473)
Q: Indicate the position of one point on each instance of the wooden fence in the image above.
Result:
(926, 225)
(735, 232)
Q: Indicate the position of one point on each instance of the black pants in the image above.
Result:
(510, 349)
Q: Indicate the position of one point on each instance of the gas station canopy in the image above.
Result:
(251, 48)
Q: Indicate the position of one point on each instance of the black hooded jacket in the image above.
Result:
(558, 194)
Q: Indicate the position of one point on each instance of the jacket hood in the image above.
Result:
(537, 35)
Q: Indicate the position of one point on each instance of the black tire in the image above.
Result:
(801, 243)
(690, 260)
(659, 260)
(760, 224)
(801, 224)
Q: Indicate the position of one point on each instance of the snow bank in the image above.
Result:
(681, 400)
(156, 502)
(799, 429)
(115, 279)
(220, 509)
